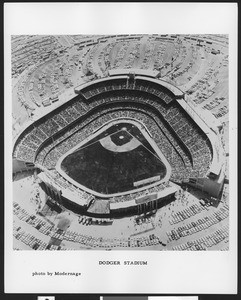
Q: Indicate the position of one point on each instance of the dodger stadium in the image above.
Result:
(120, 142)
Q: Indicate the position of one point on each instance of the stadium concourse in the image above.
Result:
(120, 142)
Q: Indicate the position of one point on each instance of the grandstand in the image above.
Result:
(137, 144)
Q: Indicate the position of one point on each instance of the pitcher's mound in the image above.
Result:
(120, 142)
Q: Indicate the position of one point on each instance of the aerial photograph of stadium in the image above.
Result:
(120, 142)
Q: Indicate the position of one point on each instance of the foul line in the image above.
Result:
(115, 133)
(97, 141)
(147, 148)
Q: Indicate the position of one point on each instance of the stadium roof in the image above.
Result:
(176, 91)
(148, 73)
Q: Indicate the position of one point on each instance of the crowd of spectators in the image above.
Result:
(107, 115)
(198, 154)
(189, 155)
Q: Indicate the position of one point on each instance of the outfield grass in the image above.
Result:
(110, 172)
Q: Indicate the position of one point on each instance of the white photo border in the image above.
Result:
(166, 272)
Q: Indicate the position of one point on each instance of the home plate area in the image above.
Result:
(121, 141)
